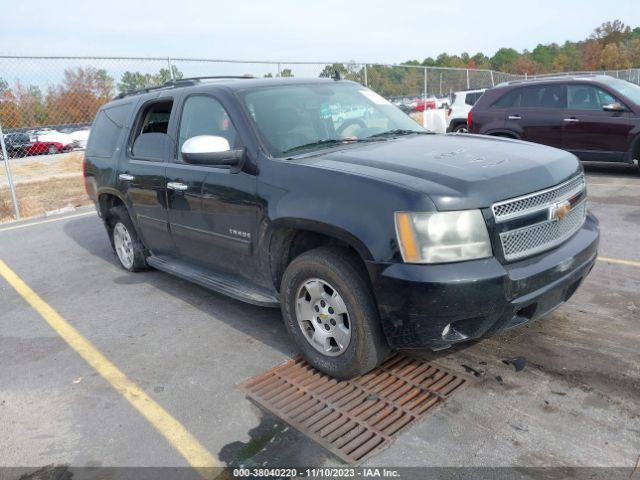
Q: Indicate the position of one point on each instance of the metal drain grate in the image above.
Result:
(358, 418)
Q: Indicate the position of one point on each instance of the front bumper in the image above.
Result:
(439, 305)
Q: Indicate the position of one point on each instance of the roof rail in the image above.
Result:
(543, 78)
(181, 82)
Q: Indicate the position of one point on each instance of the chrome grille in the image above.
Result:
(542, 236)
(534, 238)
(516, 207)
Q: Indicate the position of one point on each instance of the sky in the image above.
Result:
(322, 30)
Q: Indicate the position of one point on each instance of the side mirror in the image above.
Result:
(210, 150)
(614, 107)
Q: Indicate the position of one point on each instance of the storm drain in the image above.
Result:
(358, 418)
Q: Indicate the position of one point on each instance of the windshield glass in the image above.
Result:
(628, 89)
(304, 118)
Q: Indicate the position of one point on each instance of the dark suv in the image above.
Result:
(322, 198)
(595, 117)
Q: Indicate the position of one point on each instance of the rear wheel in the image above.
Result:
(460, 128)
(52, 149)
(329, 310)
(131, 253)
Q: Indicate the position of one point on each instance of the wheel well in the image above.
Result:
(289, 243)
(107, 201)
(503, 135)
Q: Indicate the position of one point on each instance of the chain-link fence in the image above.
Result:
(47, 105)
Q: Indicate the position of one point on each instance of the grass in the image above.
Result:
(38, 197)
(42, 187)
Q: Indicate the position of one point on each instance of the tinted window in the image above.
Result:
(106, 130)
(508, 100)
(202, 115)
(544, 96)
(587, 97)
(472, 98)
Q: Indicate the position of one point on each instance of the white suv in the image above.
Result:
(461, 103)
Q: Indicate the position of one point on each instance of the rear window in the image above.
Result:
(472, 98)
(106, 130)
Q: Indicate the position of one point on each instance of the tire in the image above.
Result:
(128, 247)
(336, 271)
(52, 150)
(460, 128)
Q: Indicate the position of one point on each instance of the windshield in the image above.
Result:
(628, 89)
(303, 118)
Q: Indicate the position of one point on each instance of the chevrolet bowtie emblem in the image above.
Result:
(560, 210)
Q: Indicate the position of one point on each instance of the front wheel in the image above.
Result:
(460, 128)
(329, 310)
(130, 251)
(52, 149)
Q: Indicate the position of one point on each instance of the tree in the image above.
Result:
(286, 72)
(504, 57)
(611, 32)
(135, 80)
(82, 93)
(615, 58)
(545, 54)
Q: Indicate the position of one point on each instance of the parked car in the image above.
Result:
(17, 144)
(371, 234)
(44, 148)
(594, 117)
(461, 103)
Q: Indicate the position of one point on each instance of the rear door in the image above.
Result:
(141, 175)
(212, 209)
(589, 131)
(536, 114)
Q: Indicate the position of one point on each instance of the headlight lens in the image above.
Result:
(441, 237)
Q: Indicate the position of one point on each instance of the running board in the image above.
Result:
(225, 284)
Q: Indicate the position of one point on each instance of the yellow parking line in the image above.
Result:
(175, 433)
(629, 263)
(56, 219)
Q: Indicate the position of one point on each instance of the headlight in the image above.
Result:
(441, 237)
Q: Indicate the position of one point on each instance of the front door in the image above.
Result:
(212, 209)
(591, 132)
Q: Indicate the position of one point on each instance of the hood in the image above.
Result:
(457, 171)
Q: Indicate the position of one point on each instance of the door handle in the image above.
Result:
(571, 120)
(514, 117)
(125, 177)
(177, 186)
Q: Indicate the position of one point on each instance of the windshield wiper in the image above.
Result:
(332, 141)
(400, 131)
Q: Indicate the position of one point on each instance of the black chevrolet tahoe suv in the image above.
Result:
(321, 197)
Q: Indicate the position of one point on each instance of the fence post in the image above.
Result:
(493, 84)
(366, 83)
(12, 188)
(468, 79)
(424, 112)
(170, 69)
